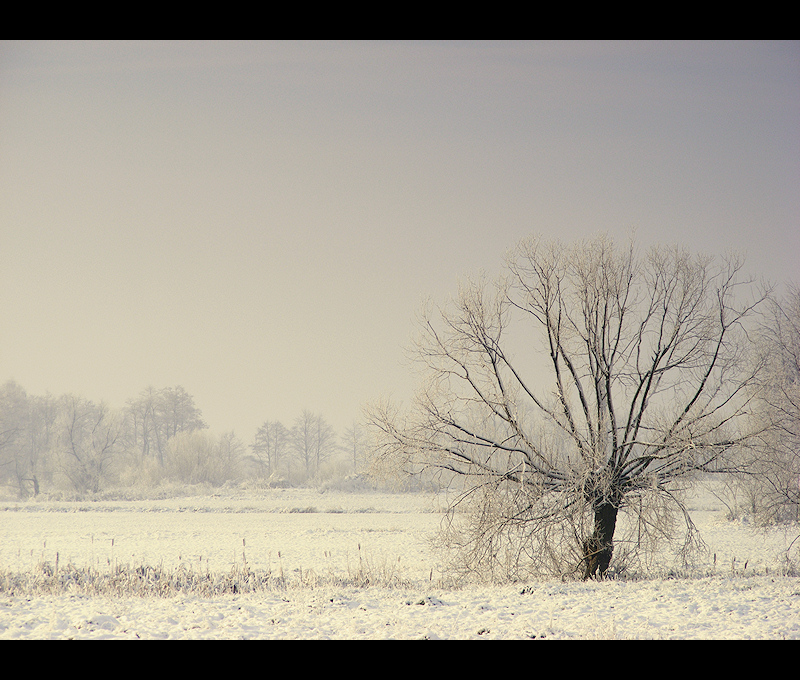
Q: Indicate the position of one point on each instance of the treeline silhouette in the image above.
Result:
(70, 446)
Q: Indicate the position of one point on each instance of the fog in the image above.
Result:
(258, 222)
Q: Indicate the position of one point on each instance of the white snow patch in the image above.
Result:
(299, 530)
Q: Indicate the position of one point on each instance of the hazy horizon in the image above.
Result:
(259, 222)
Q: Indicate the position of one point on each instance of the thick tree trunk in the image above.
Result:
(598, 549)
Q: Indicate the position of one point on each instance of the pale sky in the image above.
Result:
(260, 222)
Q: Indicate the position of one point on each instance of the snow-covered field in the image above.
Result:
(318, 542)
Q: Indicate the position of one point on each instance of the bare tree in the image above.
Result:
(158, 415)
(89, 435)
(312, 440)
(772, 486)
(270, 447)
(302, 441)
(353, 444)
(15, 458)
(180, 414)
(588, 380)
(324, 441)
(231, 454)
(142, 433)
(199, 457)
(42, 434)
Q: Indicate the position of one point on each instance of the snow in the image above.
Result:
(334, 535)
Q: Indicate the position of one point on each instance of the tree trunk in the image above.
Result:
(598, 549)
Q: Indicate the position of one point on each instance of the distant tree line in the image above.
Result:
(75, 445)
(300, 453)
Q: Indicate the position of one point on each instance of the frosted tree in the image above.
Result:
(586, 381)
(353, 443)
(199, 457)
(156, 416)
(772, 486)
(89, 442)
(15, 459)
(270, 447)
(312, 440)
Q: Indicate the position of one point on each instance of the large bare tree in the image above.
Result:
(589, 380)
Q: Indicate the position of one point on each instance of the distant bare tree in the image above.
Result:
(312, 440)
(585, 385)
(231, 454)
(353, 444)
(199, 457)
(141, 431)
(324, 441)
(15, 459)
(771, 488)
(157, 415)
(180, 413)
(89, 442)
(270, 447)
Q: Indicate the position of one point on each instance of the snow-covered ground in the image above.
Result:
(332, 536)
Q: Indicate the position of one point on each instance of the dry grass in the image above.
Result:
(149, 581)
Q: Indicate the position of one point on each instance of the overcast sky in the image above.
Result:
(259, 222)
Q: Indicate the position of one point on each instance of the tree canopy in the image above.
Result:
(588, 379)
